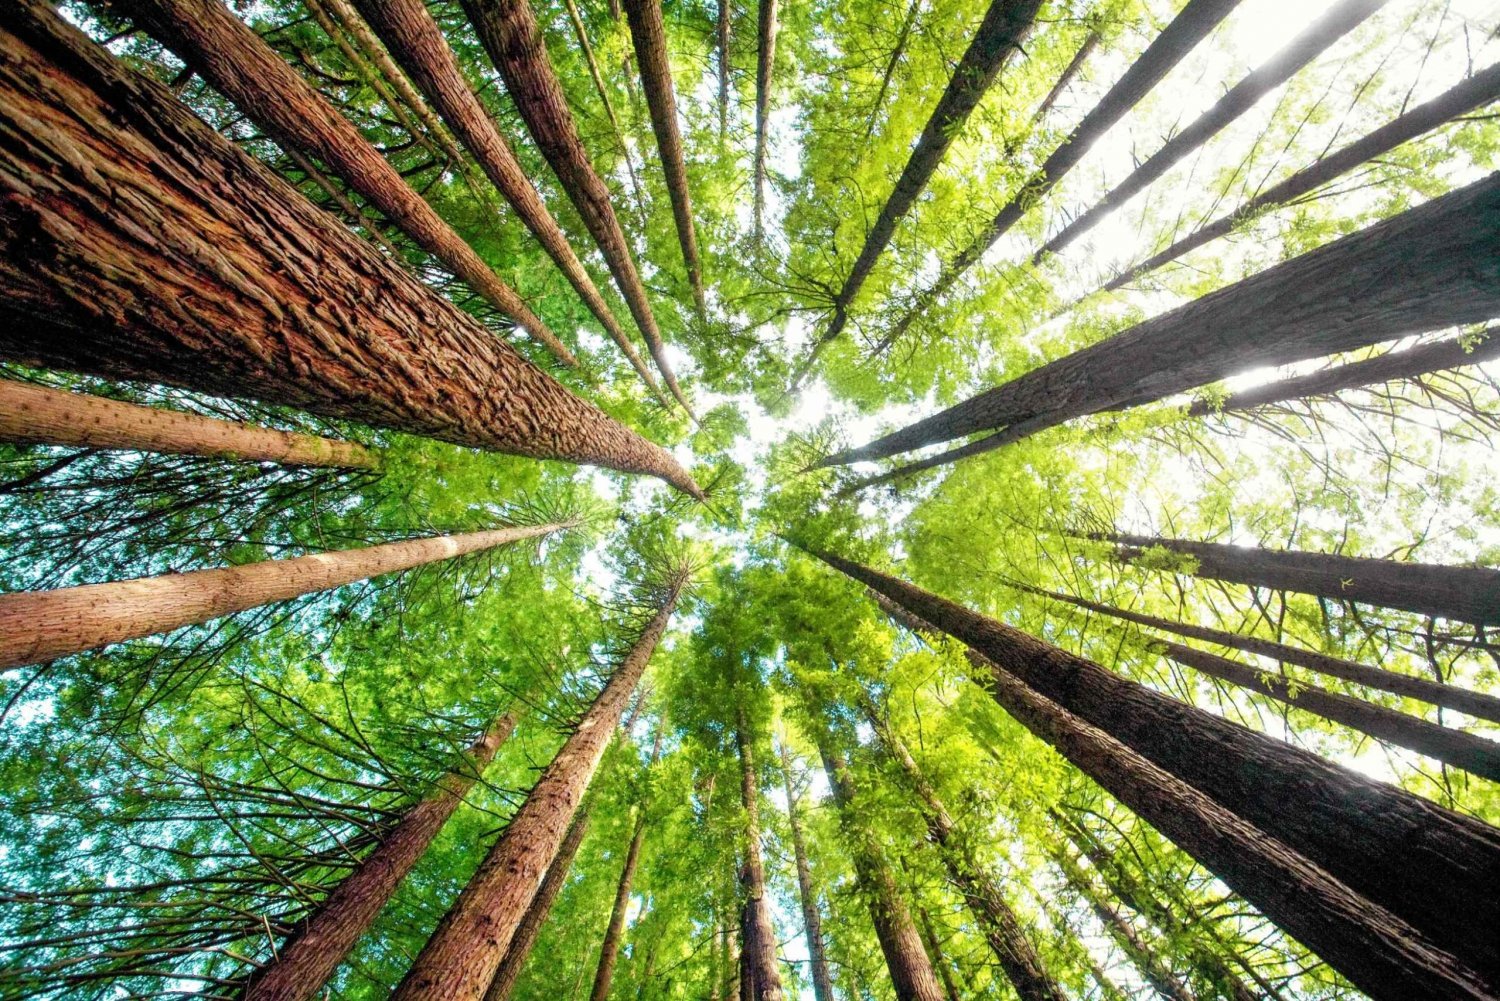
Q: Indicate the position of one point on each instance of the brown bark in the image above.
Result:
(1433, 266)
(1426, 865)
(37, 626)
(1068, 75)
(38, 414)
(765, 65)
(722, 38)
(1478, 90)
(759, 933)
(237, 62)
(510, 968)
(649, 36)
(935, 950)
(812, 920)
(410, 31)
(459, 960)
(350, 212)
(303, 964)
(511, 36)
(614, 934)
(135, 242)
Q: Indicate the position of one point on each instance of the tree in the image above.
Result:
(759, 979)
(765, 65)
(812, 921)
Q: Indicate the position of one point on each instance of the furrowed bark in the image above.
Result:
(410, 31)
(41, 415)
(303, 964)
(137, 243)
(510, 34)
(1423, 863)
(649, 36)
(1429, 267)
(765, 65)
(1477, 91)
(1191, 25)
(614, 934)
(1307, 46)
(722, 39)
(530, 927)
(812, 920)
(760, 934)
(37, 626)
(459, 960)
(238, 63)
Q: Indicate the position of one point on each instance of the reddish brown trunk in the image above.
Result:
(37, 626)
(812, 921)
(765, 65)
(614, 934)
(303, 964)
(759, 933)
(166, 254)
(459, 960)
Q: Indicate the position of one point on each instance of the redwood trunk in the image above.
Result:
(303, 964)
(812, 921)
(1429, 866)
(459, 960)
(38, 414)
(759, 934)
(614, 935)
(164, 253)
(37, 626)
(239, 63)
(765, 65)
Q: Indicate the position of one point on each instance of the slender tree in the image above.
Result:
(934, 949)
(760, 981)
(218, 276)
(765, 66)
(812, 921)
(721, 38)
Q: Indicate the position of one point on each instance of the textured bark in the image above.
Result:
(303, 964)
(614, 934)
(935, 950)
(1465, 594)
(1307, 46)
(1187, 29)
(1473, 754)
(37, 626)
(511, 36)
(1429, 267)
(1426, 865)
(722, 40)
(509, 972)
(459, 960)
(765, 65)
(135, 242)
(237, 62)
(410, 31)
(812, 920)
(759, 933)
(1478, 90)
(649, 36)
(42, 415)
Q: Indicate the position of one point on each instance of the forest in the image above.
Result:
(750, 500)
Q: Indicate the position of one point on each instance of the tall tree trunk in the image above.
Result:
(1068, 75)
(614, 935)
(1477, 91)
(759, 933)
(1307, 46)
(812, 921)
(410, 31)
(239, 63)
(1423, 863)
(1191, 25)
(459, 960)
(911, 972)
(303, 964)
(722, 37)
(169, 255)
(510, 34)
(1433, 266)
(1464, 594)
(981, 891)
(935, 950)
(765, 65)
(37, 626)
(897, 51)
(649, 36)
(509, 971)
(42, 415)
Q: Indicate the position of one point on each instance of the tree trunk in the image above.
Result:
(38, 414)
(1191, 25)
(509, 972)
(1477, 91)
(935, 950)
(1433, 266)
(1307, 46)
(614, 935)
(459, 960)
(1002, 927)
(38, 626)
(649, 36)
(812, 921)
(1463, 594)
(1069, 74)
(911, 972)
(510, 34)
(303, 964)
(1428, 866)
(167, 254)
(725, 18)
(759, 933)
(237, 62)
(765, 65)
(410, 31)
